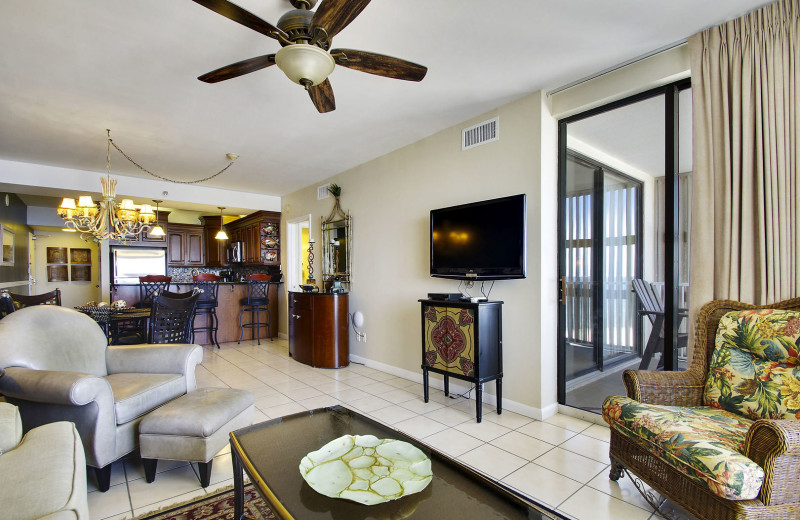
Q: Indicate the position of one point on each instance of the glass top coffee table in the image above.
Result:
(270, 454)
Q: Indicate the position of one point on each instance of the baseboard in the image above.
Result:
(581, 414)
(460, 387)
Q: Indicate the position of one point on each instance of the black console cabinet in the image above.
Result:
(463, 340)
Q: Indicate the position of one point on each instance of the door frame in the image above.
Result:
(294, 251)
(671, 226)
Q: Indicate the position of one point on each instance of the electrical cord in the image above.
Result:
(355, 329)
(465, 395)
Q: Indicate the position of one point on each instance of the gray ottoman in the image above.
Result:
(193, 427)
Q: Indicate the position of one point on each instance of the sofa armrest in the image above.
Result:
(52, 387)
(10, 427)
(775, 446)
(156, 359)
(665, 388)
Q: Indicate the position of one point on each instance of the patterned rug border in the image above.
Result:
(166, 509)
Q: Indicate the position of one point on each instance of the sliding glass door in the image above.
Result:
(623, 234)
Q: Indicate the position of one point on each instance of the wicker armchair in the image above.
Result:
(772, 444)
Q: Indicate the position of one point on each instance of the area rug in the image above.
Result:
(216, 506)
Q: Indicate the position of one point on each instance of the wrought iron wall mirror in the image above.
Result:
(337, 245)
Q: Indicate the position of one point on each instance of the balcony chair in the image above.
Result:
(722, 439)
(58, 367)
(653, 308)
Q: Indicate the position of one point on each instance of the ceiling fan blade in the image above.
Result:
(242, 16)
(335, 15)
(322, 97)
(379, 64)
(240, 68)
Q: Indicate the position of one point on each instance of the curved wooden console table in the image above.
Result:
(318, 331)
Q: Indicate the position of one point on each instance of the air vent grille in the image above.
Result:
(322, 192)
(481, 133)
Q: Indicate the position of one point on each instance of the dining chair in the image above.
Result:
(171, 317)
(21, 301)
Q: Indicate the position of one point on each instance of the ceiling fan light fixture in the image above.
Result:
(304, 64)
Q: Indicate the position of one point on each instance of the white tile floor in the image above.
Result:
(561, 463)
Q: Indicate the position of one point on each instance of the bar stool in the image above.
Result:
(151, 285)
(257, 300)
(208, 283)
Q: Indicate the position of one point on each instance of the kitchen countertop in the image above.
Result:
(182, 282)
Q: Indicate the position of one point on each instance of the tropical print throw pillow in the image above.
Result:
(754, 368)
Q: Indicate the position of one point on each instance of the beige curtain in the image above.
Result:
(746, 189)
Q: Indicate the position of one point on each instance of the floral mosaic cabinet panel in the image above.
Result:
(450, 339)
(754, 368)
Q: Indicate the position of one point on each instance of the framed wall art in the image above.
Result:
(78, 255)
(7, 245)
(81, 273)
(56, 255)
(57, 273)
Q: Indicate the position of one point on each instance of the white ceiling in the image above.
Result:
(71, 69)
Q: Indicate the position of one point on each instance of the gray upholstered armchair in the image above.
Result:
(59, 368)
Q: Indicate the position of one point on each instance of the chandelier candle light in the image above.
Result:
(106, 220)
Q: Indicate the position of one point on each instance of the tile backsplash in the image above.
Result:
(184, 274)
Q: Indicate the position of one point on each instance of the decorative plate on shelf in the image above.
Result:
(269, 242)
(366, 469)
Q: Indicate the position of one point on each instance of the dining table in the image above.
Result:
(111, 318)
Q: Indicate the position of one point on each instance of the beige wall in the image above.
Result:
(390, 199)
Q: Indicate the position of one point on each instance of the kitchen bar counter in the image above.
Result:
(228, 310)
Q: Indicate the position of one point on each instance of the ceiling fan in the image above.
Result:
(305, 57)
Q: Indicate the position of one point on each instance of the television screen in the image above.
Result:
(479, 241)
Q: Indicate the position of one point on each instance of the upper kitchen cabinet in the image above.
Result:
(145, 238)
(185, 246)
(216, 250)
(259, 232)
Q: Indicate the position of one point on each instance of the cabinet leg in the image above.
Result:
(499, 386)
(478, 399)
(425, 384)
(446, 385)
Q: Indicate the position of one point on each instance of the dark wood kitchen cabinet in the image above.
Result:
(318, 332)
(260, 234)
(185, 246)
(216, 250)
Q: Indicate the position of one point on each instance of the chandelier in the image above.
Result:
(106, 220)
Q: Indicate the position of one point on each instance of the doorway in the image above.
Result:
(298, 233)
(624, 192)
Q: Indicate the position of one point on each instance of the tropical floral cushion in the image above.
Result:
(754, 368)
(703, 443)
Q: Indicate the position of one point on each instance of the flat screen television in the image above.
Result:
(479, 241)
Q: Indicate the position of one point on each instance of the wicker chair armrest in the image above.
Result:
(775, 446)
(665, 388)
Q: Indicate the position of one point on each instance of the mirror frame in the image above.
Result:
(330, 226)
